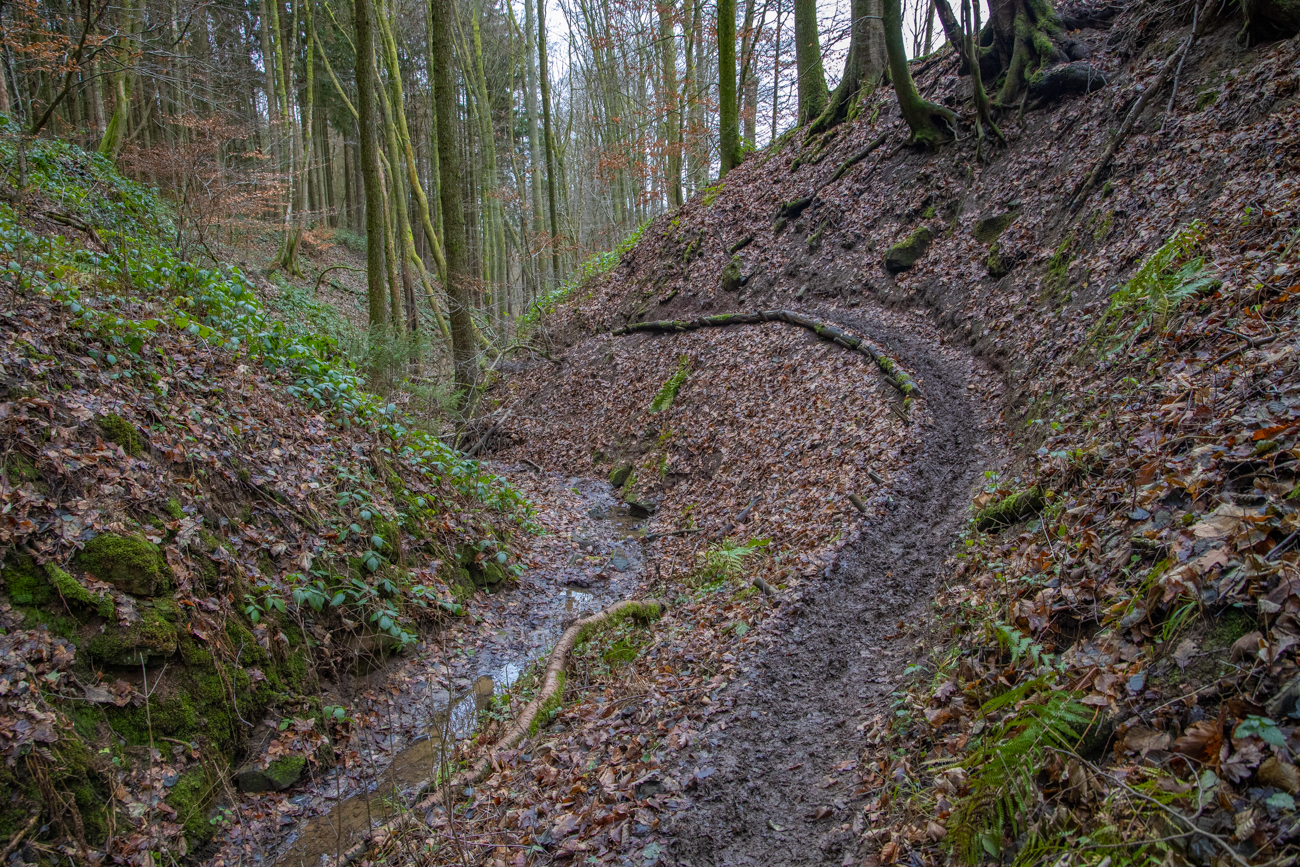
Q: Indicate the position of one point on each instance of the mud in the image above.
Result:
(842, 649)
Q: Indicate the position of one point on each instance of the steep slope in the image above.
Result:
(206, 523)
(1118, 627)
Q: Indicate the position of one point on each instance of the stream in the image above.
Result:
(589, 558)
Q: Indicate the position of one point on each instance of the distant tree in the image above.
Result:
(728, 114)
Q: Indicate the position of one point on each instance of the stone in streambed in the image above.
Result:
(275, 777)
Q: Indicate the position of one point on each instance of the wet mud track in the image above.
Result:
(841, 653)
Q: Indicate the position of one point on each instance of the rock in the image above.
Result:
(640, 507)
(987, 229)
(905, 254)
(618, 560)
(731, 278)
(132, 564)
(618, 475)
(600, 513)
(1272, 19)
(1068, 79)
(152, 638)
(1280, 775)
(275, 777)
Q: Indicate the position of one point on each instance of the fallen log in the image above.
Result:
(894, 375)
(552, 685)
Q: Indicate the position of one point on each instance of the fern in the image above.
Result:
(1004, 762)
(726, 561)
(664, 399)
(1170, 276)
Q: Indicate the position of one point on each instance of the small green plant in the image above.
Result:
(1171, 275)
(725, 561)
(1004, 761)
(709, 195)
(664, 399)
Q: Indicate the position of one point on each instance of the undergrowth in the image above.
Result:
(104, 292)
(595, 266)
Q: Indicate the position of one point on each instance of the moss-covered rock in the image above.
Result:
(133, 564)
(731, 277)
(997, 264)
(192, 798)
(275, 777)
(989, 229)
(1011, 509)
(619, 475)
(25, 582)
(153, 638)
(905, 254)
(120, 431)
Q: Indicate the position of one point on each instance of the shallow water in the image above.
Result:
(537, 612)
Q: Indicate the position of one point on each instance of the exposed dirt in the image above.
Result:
(794, 723)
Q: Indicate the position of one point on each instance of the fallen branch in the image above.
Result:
(483, 439)
(857, 503)
(18, 838)
(855, 159)
(551, 686)
(739, 519)
(768, 589)
(653, 537)
(894, 375)
(72, 222)
(316, 288)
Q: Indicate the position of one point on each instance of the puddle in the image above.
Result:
(605, 567)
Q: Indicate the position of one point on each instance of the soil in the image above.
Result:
(796, 718)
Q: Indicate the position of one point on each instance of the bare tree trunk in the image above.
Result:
(376, 281)
(808, 59)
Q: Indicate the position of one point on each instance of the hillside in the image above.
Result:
(880, 505)
(1107, 619)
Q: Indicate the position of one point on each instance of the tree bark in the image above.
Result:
(813, 95)
(672, 120)
(923, 117)
(728, 118)
(376, 278)
(549, 143)
(442, 13)
(863, 67)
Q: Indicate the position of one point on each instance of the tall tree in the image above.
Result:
(668, 87)
(458, 278)
(549, 136)
(728, 118)
(530, 108)
(930, 123)
(808, 61)
(376, 276)
(863, 67)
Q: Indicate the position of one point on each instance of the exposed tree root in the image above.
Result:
(552, 684)
(894, 374)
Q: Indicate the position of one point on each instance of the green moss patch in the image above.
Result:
(153, 638)
(192, 798)
(275, 777)
(1011, 509)
(905, 254)
(989, 229)
(120, 431)
(131, 563)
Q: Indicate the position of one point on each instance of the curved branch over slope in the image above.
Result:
(894, 374)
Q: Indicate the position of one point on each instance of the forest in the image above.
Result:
(649, 432)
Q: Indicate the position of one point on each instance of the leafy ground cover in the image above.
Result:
(205, 517)
(1107, 673)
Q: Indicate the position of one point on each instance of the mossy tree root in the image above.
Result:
(893, 373)
(552, 687)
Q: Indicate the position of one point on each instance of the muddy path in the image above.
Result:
(777, 781)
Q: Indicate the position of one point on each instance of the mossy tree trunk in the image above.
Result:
(667, 10)
(1018, 40)
(808, 61)
(548, 144)
(930, 123)
(728, 115)
(962, 36)
(458, 278)
(376, 277)
(862, 68)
